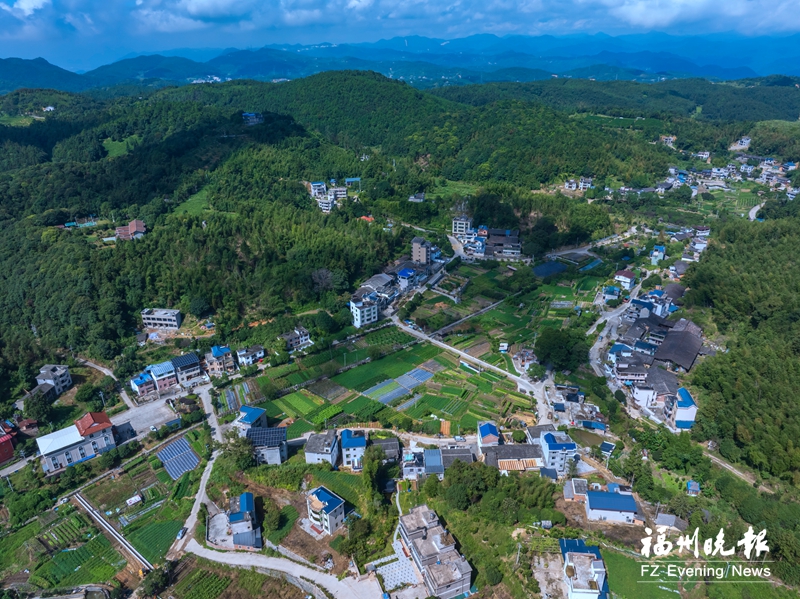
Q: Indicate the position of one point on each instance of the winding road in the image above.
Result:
(754, 210)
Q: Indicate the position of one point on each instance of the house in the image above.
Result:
(390, 447)
(571, 185)
(625, 278)
(269, 445)
(296, 339)
(142, 384)
(354, 444)
(247, 356)
(681, 410)
(614, 507)
(56, 375)
(187, 369)
(413, 465)
(417, 198)
(671, 522)
(502, 243)
(364, 308)
(446, 573)
(533, 433)
(585, 183)
(323, 448)
(619, 350)
(585, 574)
(607, 448)
(421, 250)
(252, 118)
(557, 449)
(243, 522)
(318, 188)
(133, 230)
(452, 454)
(488, 435)
(611, 293)
(548, 473)
(46, 390)
(692, 488)
(163, 375)
(433, 463)
(91, 435)
(219, 361)
(462, 225)
(575, 489)
(350, 180)
(141, 339)
(325, 510)
(658, 254)
(161, 318)
(325, 203)
(681, 345)
(743, 142)
(702, 231)
(6, 448)
(250, 417)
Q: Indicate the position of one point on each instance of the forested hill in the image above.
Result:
(768, 98)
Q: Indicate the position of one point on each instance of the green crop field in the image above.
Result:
(623, 576)
(390, 367)
(298, 428)
(300, 402)
(272, 409)
(347, 486)
(12, 546)
(288, 517)
(154, 540)
(96, 561)
(202, 585)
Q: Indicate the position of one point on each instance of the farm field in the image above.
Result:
(288, 517)
(154, 539)
(201, 579)
(96, 561)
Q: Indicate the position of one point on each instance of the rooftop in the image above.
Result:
(267, 437)
(218, 351)
(186, 360)
(433, 461)
(463, 454)
(59, 440)
(323, 500)
(353, 439)
(322, 443)
(685, 399)
(418, 518)
(558, 441)
(602, 500)
(486, 429)
(452, 567)
(249, 414)
(92, 422)
(160, 312)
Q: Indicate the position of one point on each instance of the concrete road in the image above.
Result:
(139, 419)
(754, 211)
(347, 588)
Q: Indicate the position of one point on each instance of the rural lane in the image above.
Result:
(754, 210)
(107, 372)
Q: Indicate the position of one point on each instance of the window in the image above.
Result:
(82, 451)
(94, 446)
(68, 457)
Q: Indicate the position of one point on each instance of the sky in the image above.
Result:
(86, 33)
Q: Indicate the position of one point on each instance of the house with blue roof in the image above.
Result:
(614, 507)
(220, 361)
(658, 254)
(354, 444)
(558, 449)
(693, 488)
(680, 410)
(325, 510)
(243, 522)
(488, 435)
(611, 293)
(585, 572)
(619, 350)
(250, 417)
(433, 463)
(142, 384)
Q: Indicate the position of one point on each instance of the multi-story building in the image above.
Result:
(56, 375)
(325, 510)
(557, 449)
(243, 522)
(446, 573)
(680, 410)
(462, 225)
(323, 448)
(354, 444)
(91, 435)
(161, 318)
(318, 188)
(421, 250)
(250, 417)
(625, 278)
(584, 570)
(219, 361)
(163, 375)
(187, 369)
(247, 356)
(325, 203)
(296, 339)
(269, 445)
(364, 308)
(488, 435)
(142, 384)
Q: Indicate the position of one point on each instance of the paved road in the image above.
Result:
(754, 211)
(107, 372)
(141, 418)
(347, 588)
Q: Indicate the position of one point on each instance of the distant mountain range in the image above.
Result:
(427, 62)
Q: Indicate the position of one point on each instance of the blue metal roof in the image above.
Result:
(433, 461)
(685, 399)
(352, 179)
(487, 428)
(318, 183)
(550, 473)
(612, 289)
(693, 485)
(329, 500)
(657, 292)
(246, 502)
(219, 350)
(602, 500)
(555, 446)
(613, 487)
(684, 424)
(660, 248)
(618, 347)
(594, 425)
(642, 303)
(406, 273)
(161, 369)
(349, 440)
(250, 414)
(607, 447)
(141, 379)
(559, 407)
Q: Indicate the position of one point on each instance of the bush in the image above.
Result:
(493, 575)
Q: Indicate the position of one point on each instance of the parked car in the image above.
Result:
(154, 429)
(181, 533)
(459, 438)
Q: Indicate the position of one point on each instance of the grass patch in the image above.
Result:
(154, 540)
(195, 205)
(288, 517)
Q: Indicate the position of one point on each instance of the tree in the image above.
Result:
(679, 505)
(572, 468)
(493, 575)
(518, 436)
(198, 306)
(272, 515)
(619, 395)
(155, 582)
(374, 352)
(456, 496)
(431, 486)
(238, 451)
(86, 393)
(38, 407)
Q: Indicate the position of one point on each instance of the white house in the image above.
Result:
(354, 444)
(364, 309)
(325, 510)
(557, 449)
(250, 417)
(247, 356)
(625, 278)
(269, 445)
(614, 507)
(323, 448)
(681, 410)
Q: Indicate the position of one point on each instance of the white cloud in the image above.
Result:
(24, 8)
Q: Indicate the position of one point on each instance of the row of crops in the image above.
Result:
(347, 486)
(153, 540)
(68, 531)
(201, 585)
(96, 561)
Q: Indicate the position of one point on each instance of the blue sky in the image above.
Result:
(85, 33)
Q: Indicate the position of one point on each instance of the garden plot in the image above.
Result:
(178, 458)
(231, 400)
